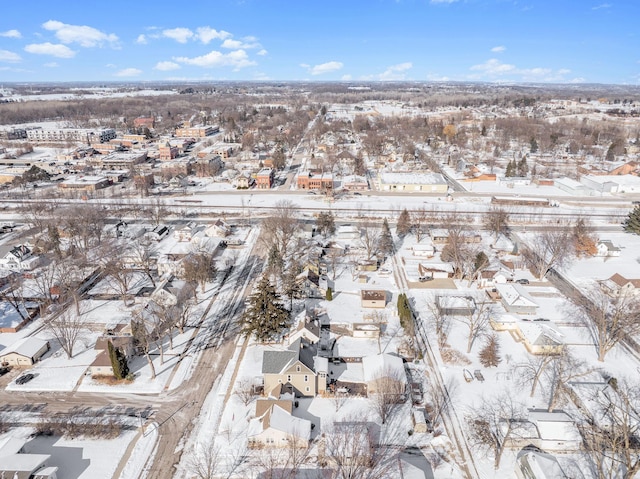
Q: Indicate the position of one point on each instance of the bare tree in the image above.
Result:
(67, 328)
(144, 256)
(495, 422)
(476, 320)
(205, 461)
(609, 319)
(199, 267)
(563, 369)
(186, 302)
(370, 240)
(245, 391)
(531, 371)
(440, 321)
(386, 391)
(420, 223)
(440, 397)
(145, 336)
(334, 256)
(548, 250)
(496, 221)
(12, 293)
(459, 251)
(352, 449)
(611, 431)
(279, 229)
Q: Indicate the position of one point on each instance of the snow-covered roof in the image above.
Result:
(280, 420)
(556, 425)
(541, 464)
(540, 333)
(383, 365)
(515, 295)
(27, 347)
(412, 178)
(24, 462)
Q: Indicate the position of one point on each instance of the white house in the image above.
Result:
(515, 299)
(19, 258)
(24, 352)
(277, 427)
(536, 464)
(606, 248)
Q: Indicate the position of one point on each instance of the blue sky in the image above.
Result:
(560, 41)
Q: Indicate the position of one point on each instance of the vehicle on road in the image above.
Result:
(522, 281)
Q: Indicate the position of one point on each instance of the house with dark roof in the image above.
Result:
(618, 285)
(298, 366)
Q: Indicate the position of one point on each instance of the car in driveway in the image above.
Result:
(522, 281)
(25, 378)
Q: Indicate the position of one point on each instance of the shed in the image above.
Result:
(373, 298)
(24, 352)
(515, 299)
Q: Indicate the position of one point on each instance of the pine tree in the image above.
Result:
(118, 361)
(326, 223)
(510, 170)
(266, 317)
(534, 145)
(403, 227)
(523, 168)
(385, 243)
(632, 223)
(490, 353)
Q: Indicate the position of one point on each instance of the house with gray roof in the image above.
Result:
(298, 366)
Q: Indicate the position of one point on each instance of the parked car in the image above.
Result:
(522, 281)
(25, 378)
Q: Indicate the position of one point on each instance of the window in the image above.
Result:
(288, 378)
(298, 368)
(306, 378)
(307, 389)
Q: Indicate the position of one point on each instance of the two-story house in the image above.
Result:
(298, 366)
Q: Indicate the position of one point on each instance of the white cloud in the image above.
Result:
(180, 35)
(52, 65)
(601, 6)
(166, 66)
(142, 39)
(81, 34)
(396, 72)
(498, 49)
(237, 59)
(7, 56)
(494, 69)
(206, 34)
(323, 67)
(262, 52)
(345, 77)
(57, 50)
(11, 34)
(128, 72)
(237, 44)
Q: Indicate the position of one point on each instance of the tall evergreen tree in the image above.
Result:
(523, 168)
(385, 243)
(118, 361)
(534, 145)
(403, 227)
(632, 223)
(266, 317)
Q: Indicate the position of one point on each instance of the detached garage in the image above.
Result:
(24, 352)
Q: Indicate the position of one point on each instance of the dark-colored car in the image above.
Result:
(25, 378)
(522, 281)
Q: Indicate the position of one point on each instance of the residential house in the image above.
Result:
(219, 228)
(277, 426)
(373, 298)
(298, 365)
(539, 337)
(264, 178)
(19, 258)
(306, 329)
(16, 464)
(618, 285)
(312, 284)
(515, 299)
(186, 232)
(424, 250)
(101, 365)
(384, 371)
(24, 352)
(605, 248)
(157, 233)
